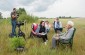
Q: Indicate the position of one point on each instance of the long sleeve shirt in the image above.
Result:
(38, 29)
(56, 25)
(68, 34)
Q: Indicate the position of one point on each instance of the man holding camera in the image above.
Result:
(14, 21)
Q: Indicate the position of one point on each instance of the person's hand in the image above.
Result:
(57, 35)
(39, 33)
(13, 16)
(35, 33)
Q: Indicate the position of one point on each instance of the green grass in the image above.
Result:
(36, 46)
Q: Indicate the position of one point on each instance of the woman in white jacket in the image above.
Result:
(47, 25)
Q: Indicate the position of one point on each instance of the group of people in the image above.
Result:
(44, 28)
(41, 30)
(65, 37)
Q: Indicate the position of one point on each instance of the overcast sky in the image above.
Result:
(45, 8)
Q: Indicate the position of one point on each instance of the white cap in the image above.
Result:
(70, 23)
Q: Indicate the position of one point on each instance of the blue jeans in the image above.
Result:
(13, 27)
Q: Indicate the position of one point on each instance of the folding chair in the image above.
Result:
(70, 41)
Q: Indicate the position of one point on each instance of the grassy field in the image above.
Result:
(36, 46)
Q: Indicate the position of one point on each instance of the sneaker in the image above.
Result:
(45, 43)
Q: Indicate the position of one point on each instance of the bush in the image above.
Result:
(28, 18)
(17, 42)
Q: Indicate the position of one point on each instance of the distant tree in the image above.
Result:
(1, 15)
(24, 17)
(59, 16)
(63, 16)
(21, 11)
(69, 16)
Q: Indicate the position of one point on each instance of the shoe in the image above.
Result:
(45, 43)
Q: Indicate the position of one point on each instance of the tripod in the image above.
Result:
(20, 33)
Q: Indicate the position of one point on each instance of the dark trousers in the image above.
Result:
(13, 27)
(58, 29)
(44, 37)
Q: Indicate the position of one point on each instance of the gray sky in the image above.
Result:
(45, 8)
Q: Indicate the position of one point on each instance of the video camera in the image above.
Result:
(20, 23)
(17, 15)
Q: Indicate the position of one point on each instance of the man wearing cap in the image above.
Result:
(14, 21)
(64, 36)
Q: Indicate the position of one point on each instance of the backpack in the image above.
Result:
(34, 26)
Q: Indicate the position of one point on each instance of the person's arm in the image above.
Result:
(55, 25)
(61, 33)
(45, 30)
(33, 32)
(13, 16)
(37, 30)
(68, 35)
(60, 25)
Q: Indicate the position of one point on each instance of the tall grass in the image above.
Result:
(35, 46)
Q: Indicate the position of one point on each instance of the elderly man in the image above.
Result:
(63, 36)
